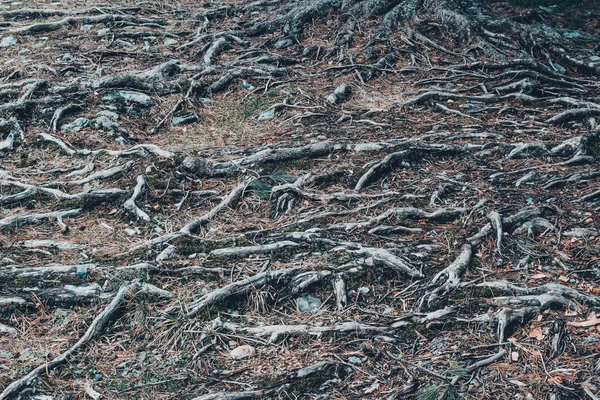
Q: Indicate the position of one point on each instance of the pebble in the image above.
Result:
(130, 96)
(108, 114)
(559, 68)
(339, 95)
(107, 124)
(267, 114)
(5, 354)
(167, 254)
(355, 360)
(75, 126)
(8, 41)
(242, 352)
(308, 304)
(283, 43)
(185, 119)
(572, 35)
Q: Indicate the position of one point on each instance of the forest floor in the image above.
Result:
(318, 199)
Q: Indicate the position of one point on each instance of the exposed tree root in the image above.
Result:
(332, 179)
(31, 219)
(130, 205)
(95, 329)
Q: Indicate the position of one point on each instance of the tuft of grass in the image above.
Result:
(428, 393)
(262, 186)
(450, 393)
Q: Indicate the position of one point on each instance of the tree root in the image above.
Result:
(44, 27)
(130, 205)
(95, 329)
(405, 213)
(275, 333)
(139, 150)
(577, 114)
(31, 191)
(544, 295)
(305, 377)
(234, 289)
(452, 275)
(31, 219)
(232, 198)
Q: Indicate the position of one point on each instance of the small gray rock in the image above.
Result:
(185, 119)
(308, 304)
(372, 52)
(549, 9)
(107, 124)
(559, 68)
(86, 27)
(242, 352)
(167, 254)
(267, 114)
(198, 166)
(130, 96)
(355, 360)
(339, 95)
(5, 354)
(582, 232)
(75, 126)
(108, 114)
(8, 41)
(149, 48)
(170, 42)
(572, 35)
(8, 330)
(283, 43)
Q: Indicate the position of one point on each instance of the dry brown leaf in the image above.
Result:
(556, 380)
(591, 321)
(536, 333)
(571, 313)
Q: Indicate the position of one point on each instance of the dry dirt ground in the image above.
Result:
(325, 199)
